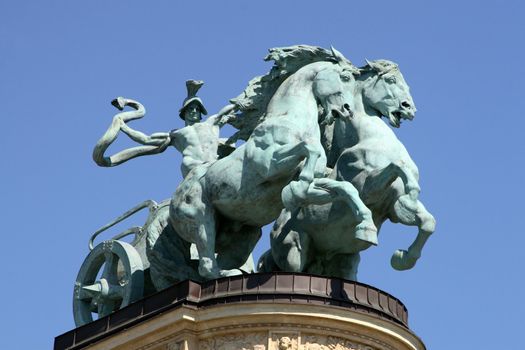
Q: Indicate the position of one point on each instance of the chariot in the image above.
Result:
(116, 273)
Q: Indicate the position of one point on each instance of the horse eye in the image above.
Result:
(390, 80)
(346, 76)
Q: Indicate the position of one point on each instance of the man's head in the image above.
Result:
(192, 113)
(192, 107)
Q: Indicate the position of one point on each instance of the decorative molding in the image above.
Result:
(179, 345)
(284, 340)
(235, 341)
(173, 342)
(310, 328)
(320, 342)
(276, 338)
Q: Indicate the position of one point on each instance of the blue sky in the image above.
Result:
(62, 62)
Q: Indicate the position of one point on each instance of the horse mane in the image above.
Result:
(381, 67)
(252, 102)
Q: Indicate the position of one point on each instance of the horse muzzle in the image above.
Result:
(343, 112)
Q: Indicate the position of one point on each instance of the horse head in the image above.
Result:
(333, 88)
(386, 91)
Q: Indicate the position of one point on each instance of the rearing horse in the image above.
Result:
(321, 238)
(283, 162)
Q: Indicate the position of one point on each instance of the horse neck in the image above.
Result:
(346, 133)
(296, 92)
(300, 83)
(365, 121)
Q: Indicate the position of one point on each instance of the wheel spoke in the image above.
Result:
(105, 307)
(110, 268)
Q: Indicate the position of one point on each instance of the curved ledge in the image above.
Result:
(280, 287)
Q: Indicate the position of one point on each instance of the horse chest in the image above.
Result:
(371, 154)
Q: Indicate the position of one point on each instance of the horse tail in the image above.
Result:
(112, 132)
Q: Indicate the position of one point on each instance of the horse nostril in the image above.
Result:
(405, 104)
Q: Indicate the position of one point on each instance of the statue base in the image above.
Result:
(276, 311)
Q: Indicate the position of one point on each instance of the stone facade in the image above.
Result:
(255, 312)
(263, 327)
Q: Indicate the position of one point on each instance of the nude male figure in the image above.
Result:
(197, 141)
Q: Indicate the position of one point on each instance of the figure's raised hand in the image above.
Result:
(225, 115)
(119, 103)
(223, 120)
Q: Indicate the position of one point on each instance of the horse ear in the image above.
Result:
(372, 65)
(378, 68)
(338, 56)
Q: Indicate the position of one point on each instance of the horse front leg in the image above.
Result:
(297, 193)
(205, 243)
(412, 213)
(377, 181)
(201, 231)
(285, 158)
(193, 218)
(325, 190)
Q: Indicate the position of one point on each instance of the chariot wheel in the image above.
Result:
(121, 281)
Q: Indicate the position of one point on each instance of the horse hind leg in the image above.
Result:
(343, 266)
(289, 246)
(412, 213)
(267, 263)
(243, 238)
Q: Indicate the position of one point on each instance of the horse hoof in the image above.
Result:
(207, 269)
(293, 195)
(402, 260)
(366, 232)
(287, 198)
(228, 273)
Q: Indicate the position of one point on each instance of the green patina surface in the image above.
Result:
(318, 161)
